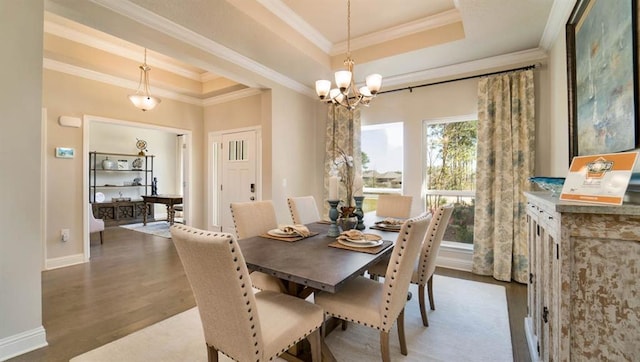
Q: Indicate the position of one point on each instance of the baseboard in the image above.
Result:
(455, 258)
(63, 261)
(22, 343)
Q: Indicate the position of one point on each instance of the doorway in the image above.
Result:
(171, 150)
(235, 173)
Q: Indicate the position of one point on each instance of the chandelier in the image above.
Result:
(144, 100)
(346, 94)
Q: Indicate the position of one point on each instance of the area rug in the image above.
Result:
(470, 323)
(158, 228)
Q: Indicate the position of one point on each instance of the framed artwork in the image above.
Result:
(602, 77)
(65, 152)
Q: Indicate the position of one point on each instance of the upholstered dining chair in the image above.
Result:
(95, 225)
(396, 206)
(304, 209)
(425, 265)
(236, 322)
(252, 219)
(380, 305)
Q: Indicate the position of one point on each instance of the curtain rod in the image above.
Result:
(410, 89)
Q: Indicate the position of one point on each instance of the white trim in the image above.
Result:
(232, 96)
(291, 18)
(558, 16)
(110, 47)
(187, 36)
(532, 340)
(452, 119)
(536, 56)
(457, 258)
(55, 263)
(43, 188)
(378, 37)
(22, 343)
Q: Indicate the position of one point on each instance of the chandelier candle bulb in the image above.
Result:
(333, 188)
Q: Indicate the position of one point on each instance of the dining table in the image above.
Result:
(316, 262)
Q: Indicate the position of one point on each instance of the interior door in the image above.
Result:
(239, 184)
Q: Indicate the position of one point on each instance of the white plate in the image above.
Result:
(281, 234)
(372, 238)
(371, 244)
(99, 197)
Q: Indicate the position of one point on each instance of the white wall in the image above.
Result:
(21, 25)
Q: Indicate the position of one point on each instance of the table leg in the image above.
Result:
(144, 215)
(171, 214)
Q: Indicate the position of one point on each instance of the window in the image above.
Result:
(450, 168)
(382, 161)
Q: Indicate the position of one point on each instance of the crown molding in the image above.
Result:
(558, 16)
(284, 13)
(61, 67)
(536, 56)
(107, 46)
(396, 32)
(179, 32)
(231, 96)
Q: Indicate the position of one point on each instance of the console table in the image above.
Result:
(169, 200)
(584, 272)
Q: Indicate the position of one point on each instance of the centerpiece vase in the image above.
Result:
(333, 216)
(359, 213)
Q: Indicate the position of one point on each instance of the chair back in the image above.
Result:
(303, 209)
(95, 225)
(219, 278)
(396, 206)
(431, 244)
(400, 267)
(253, 218)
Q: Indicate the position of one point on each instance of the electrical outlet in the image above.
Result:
(64, 234)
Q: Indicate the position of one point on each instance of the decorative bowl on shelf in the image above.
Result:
(553, 184)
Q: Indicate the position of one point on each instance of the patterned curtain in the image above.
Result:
(506, 132)
(343, 132)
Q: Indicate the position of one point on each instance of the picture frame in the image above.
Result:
(602, 75)
(65, 152)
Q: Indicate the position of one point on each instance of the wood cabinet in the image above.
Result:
(116, 186)
(584, 270)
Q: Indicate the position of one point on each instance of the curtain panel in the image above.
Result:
(505, 161)
(342, 133)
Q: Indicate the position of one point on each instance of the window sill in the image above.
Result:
(454, 255)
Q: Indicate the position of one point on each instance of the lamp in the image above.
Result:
(346, 94)
(144, 101)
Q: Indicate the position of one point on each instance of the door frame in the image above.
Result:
(87, 121)
(214, 173)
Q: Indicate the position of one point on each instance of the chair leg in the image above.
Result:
(316, 345)
(344, 325)
(384, 346)
(101, 236)
(423, 310)
(212, 354)
(430, 289)
(401, 336)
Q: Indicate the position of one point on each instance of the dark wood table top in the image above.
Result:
(163, 199)
(311, 262)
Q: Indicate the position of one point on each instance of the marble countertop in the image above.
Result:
(627, 208)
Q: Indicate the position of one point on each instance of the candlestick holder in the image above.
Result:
(359, 213)
(333, 216)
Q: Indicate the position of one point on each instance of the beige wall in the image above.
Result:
(21, 25)
(74, 96)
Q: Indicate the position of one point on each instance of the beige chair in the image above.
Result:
(252, 219)
(303, 209)
(375, 304)
(236, 322)
(396, 206)
(425, 265)
(95, 225)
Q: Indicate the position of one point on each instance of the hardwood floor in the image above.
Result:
(135, 280)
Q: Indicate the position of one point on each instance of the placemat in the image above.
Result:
(383, 228)
(376, 250)
(297, 238)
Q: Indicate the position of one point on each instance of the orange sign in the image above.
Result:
(601, 179)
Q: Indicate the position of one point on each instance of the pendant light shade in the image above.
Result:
(143, 99)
